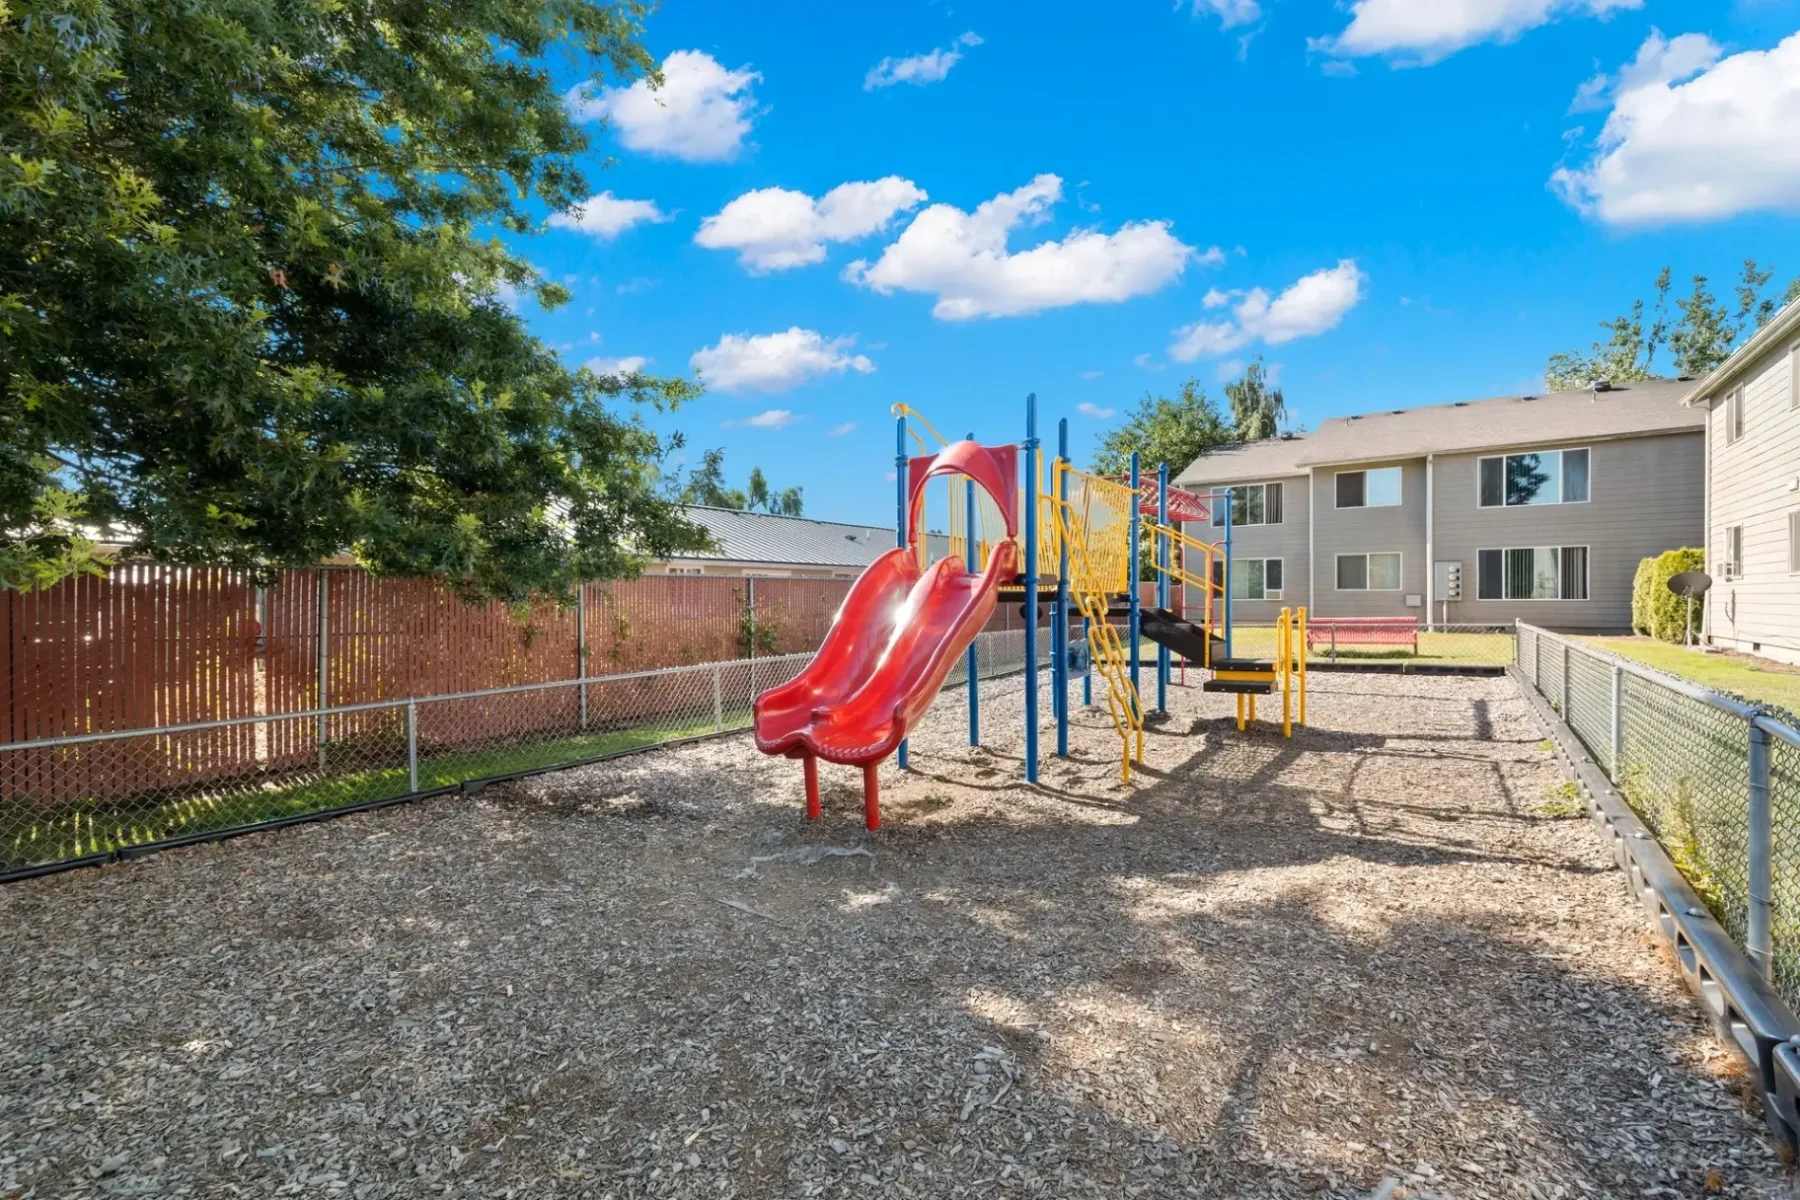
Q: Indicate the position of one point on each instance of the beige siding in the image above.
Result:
(1369, 530)
(1645, 497)
(1755, 482)
(1286, 541)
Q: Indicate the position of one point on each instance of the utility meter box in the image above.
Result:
(1448, 582)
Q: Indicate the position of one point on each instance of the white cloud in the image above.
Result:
(1231, 13)
(1092, 374)
(1721, 143)
(773, 229)
(1228, 370)
(631, 364)
(841, 430)
(775, 362)
(962, 257)
(1093, 410)
(920, 69)
(1424, 31)
(606, 216)
(773, 418)
(701, 113)
(1314, 304)
(1658, 60)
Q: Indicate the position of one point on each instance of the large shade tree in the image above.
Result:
(254, 308)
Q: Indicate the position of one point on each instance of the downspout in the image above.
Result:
(1312, 565)
(1706, 532)
(1430, 550)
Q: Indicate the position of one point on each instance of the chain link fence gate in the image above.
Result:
(88, 798)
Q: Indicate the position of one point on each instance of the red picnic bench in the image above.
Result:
(1362, 631)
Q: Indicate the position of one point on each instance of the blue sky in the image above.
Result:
(1367, 193)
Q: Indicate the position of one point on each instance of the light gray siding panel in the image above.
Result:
(1369, 530)
(1286, 541)
(1755, 483)
(1646, 496)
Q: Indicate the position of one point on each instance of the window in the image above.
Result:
(1532, 573)
(1378, 572)
(1794, 540)
(1794, 376)
(1251, 578)
(1379, 488)
(1733, 552)
(1251, 504)
(1543, 477)
(1734, 415)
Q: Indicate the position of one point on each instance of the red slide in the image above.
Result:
(896, 638)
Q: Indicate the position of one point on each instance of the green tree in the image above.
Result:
(705, 484)
(1161, 429)
(1700, 340)
(251, 296)
(1257, 407)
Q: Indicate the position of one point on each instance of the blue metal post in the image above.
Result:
(1227, 588)
(972, 560)
(900, 530)
(1031, 590)
(1162, 582)
(1135, 625)
(1062, 596)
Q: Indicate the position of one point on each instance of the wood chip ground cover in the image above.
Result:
(1358, 964)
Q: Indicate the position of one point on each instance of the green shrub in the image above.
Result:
(1655, 610)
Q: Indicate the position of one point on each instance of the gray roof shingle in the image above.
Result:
(753, 537)
(1640, 409)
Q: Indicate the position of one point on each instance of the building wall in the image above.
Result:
(713, 569)
(1646, 495)
(1286, 541)
(1755, 482)
(1365, 530)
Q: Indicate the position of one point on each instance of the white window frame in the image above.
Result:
(1794, 375)
(1400, 574)
(1364, 471)
(1587, 561)
(1733, 566)
(1238, 561)
(1503, 505)
(1734, 415)
(1265, 485)
(1793, 524)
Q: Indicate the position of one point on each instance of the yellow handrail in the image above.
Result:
(1091, 589)
(1180, 573)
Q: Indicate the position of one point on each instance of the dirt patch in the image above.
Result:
(1354, 963)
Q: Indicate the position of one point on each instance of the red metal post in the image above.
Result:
(871, 796)
(811, 766)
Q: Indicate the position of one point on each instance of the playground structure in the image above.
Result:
(1013, 518)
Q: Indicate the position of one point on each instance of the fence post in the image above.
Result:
(324, 659)
(1759, 942)
(581, 648)
(1334, 643)
(718, 700)
(1618, 723)
(412, 746)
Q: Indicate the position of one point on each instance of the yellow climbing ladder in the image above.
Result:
(1090, 584)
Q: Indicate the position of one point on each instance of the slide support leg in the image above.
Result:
(872, 796)
(811, 766)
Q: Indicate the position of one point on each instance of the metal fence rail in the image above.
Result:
(1714, 777)
(368, 754)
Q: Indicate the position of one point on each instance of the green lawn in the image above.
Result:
(31, 833)
(1740, 674)
(1448, 649)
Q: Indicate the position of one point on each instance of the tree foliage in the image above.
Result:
(1257, 407)
(1174, 430)
(251, 296)
(1703, 337)
(1657, 611)
(705, 484)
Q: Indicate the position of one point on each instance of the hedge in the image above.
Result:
(1657, 611)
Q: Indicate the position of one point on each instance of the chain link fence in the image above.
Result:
(91, 797)
(1714, 777)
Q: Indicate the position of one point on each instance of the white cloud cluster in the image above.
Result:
(1231, 13)
(606, 216)
(1087, 409)
(775, 362)
(772, 418)
(1424, 31)
(1720, 143)
(630, 364)
(701, 113)
(920, 69)
(1314, 304)
(1658, 60)
(774, 228)
(962, 258)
